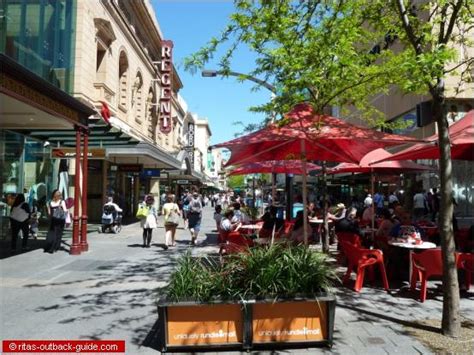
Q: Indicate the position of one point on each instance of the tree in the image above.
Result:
(314, 51)
(341, 53)
(235, 181)
(430, 32)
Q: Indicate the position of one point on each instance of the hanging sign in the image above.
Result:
(166, 70)
(70, 153)
(130, 168)
(190, 144)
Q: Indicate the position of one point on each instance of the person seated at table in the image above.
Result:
(405, 228)
(339, 213)
(218, 217)
(349, 223)
(312, 210)
(386, 225)
(297, 235)
(239, 216)
(270, 221)
(226, 223)
(367, 215)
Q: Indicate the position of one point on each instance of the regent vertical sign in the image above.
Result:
(166, 70)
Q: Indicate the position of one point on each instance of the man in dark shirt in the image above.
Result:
(349, 223)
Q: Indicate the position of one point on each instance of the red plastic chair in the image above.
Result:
(465, 261)
(360, 259)
(425, 265)
(349, 237)
(235, 243)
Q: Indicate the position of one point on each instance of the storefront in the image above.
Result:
(28, 105)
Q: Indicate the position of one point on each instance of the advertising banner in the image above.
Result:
(69, 153)
(289, 322)
(205, 325)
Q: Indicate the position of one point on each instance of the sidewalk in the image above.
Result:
(109, 293)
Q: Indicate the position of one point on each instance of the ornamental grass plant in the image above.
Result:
(276, 272)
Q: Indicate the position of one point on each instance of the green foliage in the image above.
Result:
(341, 53)
(273, 272)
(235, 181)
(252, 212)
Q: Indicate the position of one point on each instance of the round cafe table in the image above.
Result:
(249, 228)
(412, 247)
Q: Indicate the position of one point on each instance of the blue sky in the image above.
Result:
(190, 24)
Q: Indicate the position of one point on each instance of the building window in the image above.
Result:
(151, 114)
(40, 36)
(136, 99)
(123, 81)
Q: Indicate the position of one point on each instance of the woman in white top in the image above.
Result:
(150, 222)
(171, 212)
(57, 211)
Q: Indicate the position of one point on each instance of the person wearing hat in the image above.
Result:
(150, 222)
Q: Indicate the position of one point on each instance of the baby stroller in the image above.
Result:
(111, 220)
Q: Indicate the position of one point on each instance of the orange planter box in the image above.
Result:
(245, 325)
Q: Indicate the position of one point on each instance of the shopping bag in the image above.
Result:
(68, 219)
(142, 212)
(173, 218)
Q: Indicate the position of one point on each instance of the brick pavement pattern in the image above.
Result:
(110, 293)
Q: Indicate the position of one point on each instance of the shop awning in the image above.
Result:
(143, 153)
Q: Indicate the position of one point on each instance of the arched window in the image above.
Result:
(136, 102)
(123, 81)
(151, 114)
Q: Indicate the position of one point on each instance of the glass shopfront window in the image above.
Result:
(39, 34)
(27, 168)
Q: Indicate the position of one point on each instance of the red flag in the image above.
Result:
(105, 112)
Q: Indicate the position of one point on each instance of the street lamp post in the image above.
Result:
(209, 73)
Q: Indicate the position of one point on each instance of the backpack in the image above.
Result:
(196, 206)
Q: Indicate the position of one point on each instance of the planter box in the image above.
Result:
(246, 325)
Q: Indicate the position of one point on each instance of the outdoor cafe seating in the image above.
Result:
(425, 265)
(361, 259)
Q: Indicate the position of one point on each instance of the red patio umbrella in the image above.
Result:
(325, 138)
(385, 165)
(462, 143)
(367, 165)
(274, 166)
(306, 135)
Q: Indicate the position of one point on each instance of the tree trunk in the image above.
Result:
(451, 323)
(325, 236)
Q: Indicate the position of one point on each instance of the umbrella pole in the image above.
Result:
(273, 188)
(372, 188)
(325, 236)
(305, 192)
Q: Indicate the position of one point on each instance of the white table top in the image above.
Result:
(424, 245)
(250, 226)
(316, 220)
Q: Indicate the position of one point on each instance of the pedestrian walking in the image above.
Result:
(148, 219)
(194, 217)
(435, 204)
(19, 220)
(57, 212)
(419, 205)
(171, 213)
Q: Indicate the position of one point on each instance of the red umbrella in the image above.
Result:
(462, 143)
(324, 137)
(306, 135)
(272, 166)
(367, 165)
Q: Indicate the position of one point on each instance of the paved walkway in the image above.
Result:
(109, 293)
